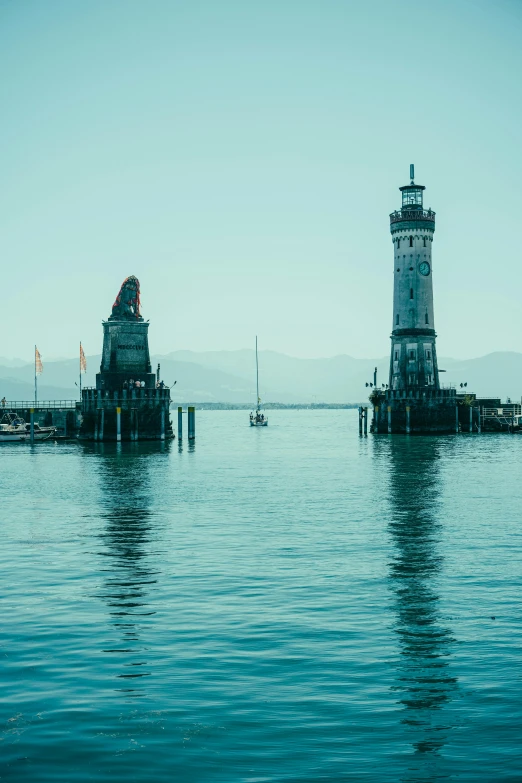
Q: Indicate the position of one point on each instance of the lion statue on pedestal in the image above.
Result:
(127, 304)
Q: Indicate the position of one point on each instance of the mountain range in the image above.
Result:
(229, 376)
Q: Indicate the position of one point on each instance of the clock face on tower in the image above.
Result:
(424, 268)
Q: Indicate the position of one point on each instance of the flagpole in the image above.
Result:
(80, 370)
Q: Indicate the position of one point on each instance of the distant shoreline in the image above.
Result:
(246, 406)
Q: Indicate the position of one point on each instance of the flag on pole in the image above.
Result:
(38, 366)
(83, 360)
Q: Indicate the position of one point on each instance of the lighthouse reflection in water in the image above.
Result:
(424, 683)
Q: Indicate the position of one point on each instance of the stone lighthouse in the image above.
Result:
(414, 400)
(413, 360)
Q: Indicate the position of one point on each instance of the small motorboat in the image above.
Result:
(258, 419)
(13, 428)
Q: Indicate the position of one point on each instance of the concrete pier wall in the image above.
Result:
(143, 415)
(419, 412)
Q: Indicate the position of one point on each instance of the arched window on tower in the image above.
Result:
(411, 241)
(427, 319)
(411, 293)
(398, 243)
(424, 240)
(397, 319)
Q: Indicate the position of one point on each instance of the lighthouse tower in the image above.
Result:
(413, 401)
(413, 360)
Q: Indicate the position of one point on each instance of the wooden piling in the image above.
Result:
(118, 424)
(191, 424)
(408, 427)
(133, 423)
(180, 423)
(31, 412)
(389, 420)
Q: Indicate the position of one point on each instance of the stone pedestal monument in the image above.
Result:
(125, 342)
(127, 403)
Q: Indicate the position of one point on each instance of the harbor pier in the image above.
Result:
(441, 411)
(405, 411)
(123, 415)
(65, 415)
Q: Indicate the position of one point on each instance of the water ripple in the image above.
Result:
(290, 605)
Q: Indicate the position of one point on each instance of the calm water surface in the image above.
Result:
(285, 604)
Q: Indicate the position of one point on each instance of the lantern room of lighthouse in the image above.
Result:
(413, 361)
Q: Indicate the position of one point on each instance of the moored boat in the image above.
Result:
(14, 429)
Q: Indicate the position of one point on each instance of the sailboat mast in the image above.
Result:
(257, 376)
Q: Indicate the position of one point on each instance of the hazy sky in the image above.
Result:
(242, 158)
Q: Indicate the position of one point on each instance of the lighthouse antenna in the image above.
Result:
(412, 172)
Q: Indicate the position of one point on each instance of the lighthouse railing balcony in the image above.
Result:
(412, 214)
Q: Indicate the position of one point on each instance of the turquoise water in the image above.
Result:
(283, 604)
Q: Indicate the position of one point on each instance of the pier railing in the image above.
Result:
(39, 404)
(506, 411)
(419, 393)
(125, 398)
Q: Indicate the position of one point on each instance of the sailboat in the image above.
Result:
(258, 419)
